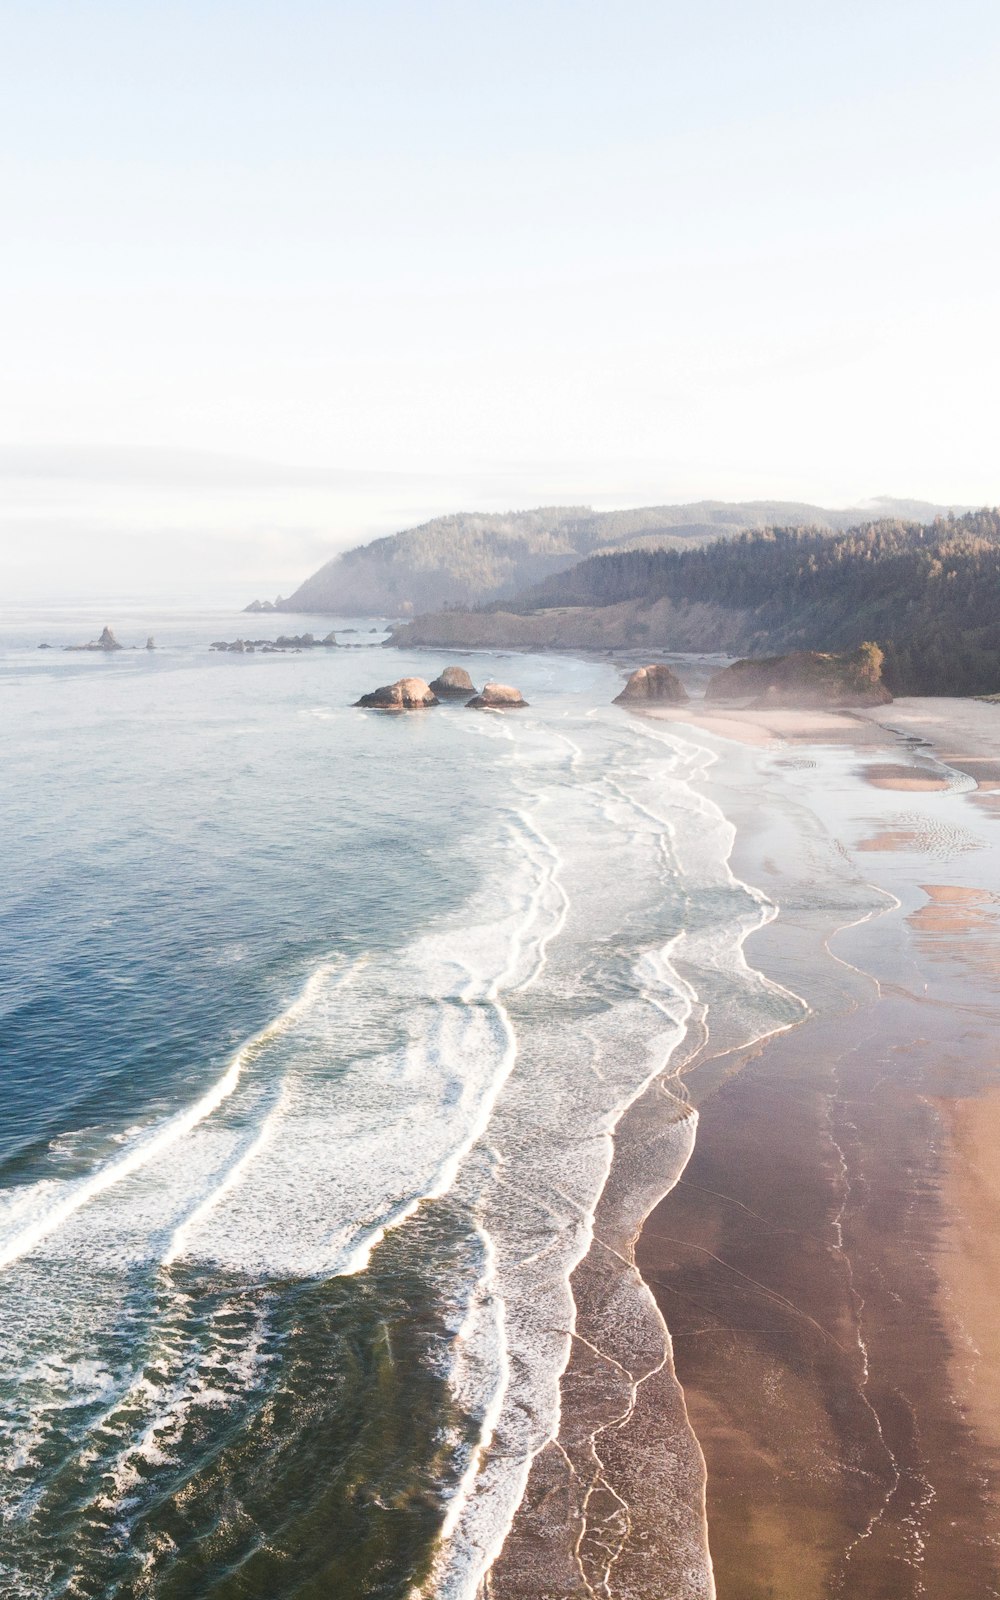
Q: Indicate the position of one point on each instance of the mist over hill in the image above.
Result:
(929, 595)
(475, 558)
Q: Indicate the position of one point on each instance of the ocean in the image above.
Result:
(315, 1028)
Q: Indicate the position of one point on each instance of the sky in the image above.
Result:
(277, 276)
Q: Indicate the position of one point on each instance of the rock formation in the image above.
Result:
(653, 685)
(151, 643)
(453, 684)
(107, 641)
(497, 697)
(805, 678)
(284, 641)
(407, 694)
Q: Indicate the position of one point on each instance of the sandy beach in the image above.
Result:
(825, 1265)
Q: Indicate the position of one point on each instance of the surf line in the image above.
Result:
(166, 1135)
(355, 1257)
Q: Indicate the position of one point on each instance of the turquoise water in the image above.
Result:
(315, 1025)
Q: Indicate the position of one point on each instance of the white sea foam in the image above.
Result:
(639, 851)
(489, 1060)
(45, 1207)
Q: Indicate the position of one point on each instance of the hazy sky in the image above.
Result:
(278, 275)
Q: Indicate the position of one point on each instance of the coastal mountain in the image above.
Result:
(928, 595)
(476, 558)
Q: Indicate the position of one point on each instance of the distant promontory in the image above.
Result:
(482, 558)
(926, 595)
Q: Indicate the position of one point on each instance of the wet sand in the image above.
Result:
(828, 1264)
(829, 1394)
(968, 1258)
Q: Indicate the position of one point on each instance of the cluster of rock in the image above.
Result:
(454, 683)
(809, 679)
(270, 647)
(106, 643)
(263, 605)
(652, 685)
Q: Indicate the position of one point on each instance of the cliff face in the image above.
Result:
(665, 625)
(805, 678)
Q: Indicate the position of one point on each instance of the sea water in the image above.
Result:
(316, 1025)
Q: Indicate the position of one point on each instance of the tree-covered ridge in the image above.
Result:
(474, 558)
(929, 595)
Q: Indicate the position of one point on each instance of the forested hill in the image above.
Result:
(475, 558)
(929, 595)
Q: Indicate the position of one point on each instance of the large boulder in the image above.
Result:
(453, 684)
(654, 685)
(806, 678)
(407, 694)
(497, 697)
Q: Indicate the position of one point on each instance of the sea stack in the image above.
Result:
(497, 697)
(406, 694)
(107, 641)
(453, 684)
(652, 685)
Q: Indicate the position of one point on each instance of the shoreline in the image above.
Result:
(844, 1171)
(824, 1232)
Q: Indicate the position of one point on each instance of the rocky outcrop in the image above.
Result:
(805, 678)
(407, 694)
(107, 642)
(497, 697)
(304, 641)
(261, 605)
(652, 685)
(284, 641)
(454, 683)
(151, 643)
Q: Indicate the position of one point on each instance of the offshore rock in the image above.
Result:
(497, 697)
(284, 642)
(652, 685)
(453, 684)
(406, 694)
(151, 643)
(107, 641)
